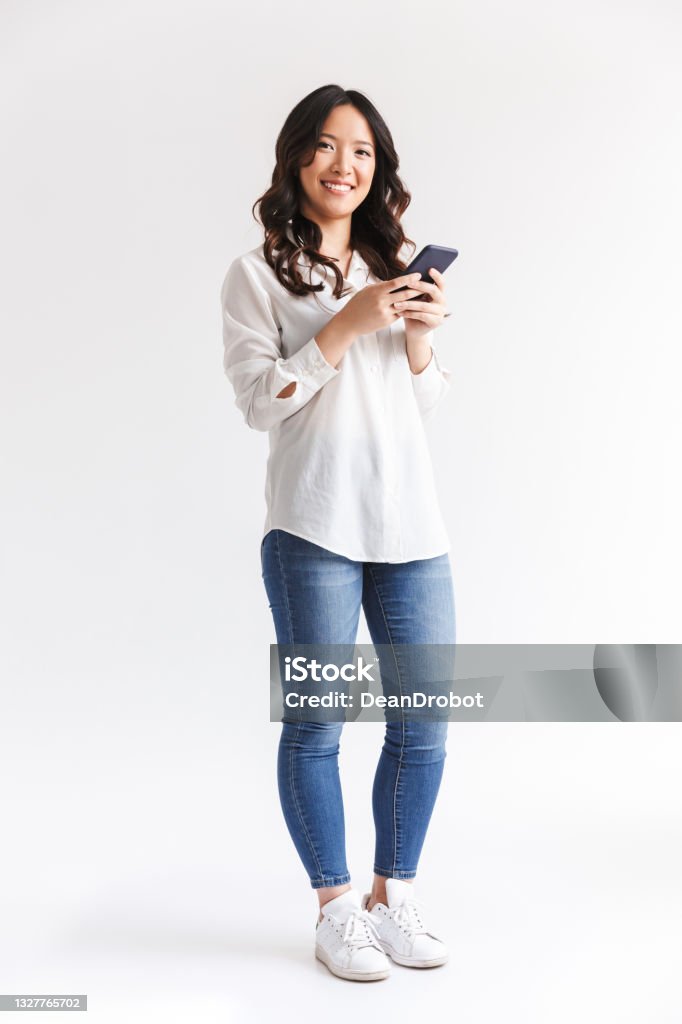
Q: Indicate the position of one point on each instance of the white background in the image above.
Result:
(144, 854)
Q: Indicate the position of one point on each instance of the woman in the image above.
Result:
(340, 371)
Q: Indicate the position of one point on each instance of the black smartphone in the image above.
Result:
(438, 256)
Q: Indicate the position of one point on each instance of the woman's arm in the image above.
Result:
(430, 380)
(431, 384)
(253, 361)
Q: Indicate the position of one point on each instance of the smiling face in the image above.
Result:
(340, 176)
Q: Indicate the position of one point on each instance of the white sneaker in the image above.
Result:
(402, 932)
(346, 940)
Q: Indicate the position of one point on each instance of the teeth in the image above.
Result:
(336, 188)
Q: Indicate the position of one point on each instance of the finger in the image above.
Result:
(430, 321)
(438, 278)
(424, 307)
(409, 293)
(419, 292)
(405, 279)
(426, 310)
(427, 286)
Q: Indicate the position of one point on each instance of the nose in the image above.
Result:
(342, 163)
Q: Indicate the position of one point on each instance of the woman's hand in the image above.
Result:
(373, 307)
(422, 317)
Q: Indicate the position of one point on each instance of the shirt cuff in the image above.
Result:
(308, 367)
(432, 376)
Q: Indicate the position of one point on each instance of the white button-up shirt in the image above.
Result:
(349, 466)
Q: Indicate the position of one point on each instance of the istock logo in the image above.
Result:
(298, 669)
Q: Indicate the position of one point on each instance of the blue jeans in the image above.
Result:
(315, 596)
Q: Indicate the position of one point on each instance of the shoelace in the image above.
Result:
(409, 914)
(360, 930)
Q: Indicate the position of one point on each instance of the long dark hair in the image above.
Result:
(376, 231)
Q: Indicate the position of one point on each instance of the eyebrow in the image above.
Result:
(358, 142)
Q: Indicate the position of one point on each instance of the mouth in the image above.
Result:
(339, 189)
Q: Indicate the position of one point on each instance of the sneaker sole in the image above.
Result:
(406, 961)
(344, 972)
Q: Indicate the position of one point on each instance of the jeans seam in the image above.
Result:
(394, 872)
(402, 718)
(330, 881)
(292, 774)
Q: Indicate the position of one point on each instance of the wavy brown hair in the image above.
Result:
(376, 231)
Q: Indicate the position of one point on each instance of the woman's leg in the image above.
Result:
(315, 597)
(405, 604)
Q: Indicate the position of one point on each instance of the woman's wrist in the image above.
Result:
(419, 351)
(335, 338)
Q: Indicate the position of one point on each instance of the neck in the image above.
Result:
(336, 235)
(336, 239)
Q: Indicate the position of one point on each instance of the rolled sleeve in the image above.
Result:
(431, 385)
(252, 355)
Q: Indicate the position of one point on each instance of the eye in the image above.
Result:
(323, 143)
